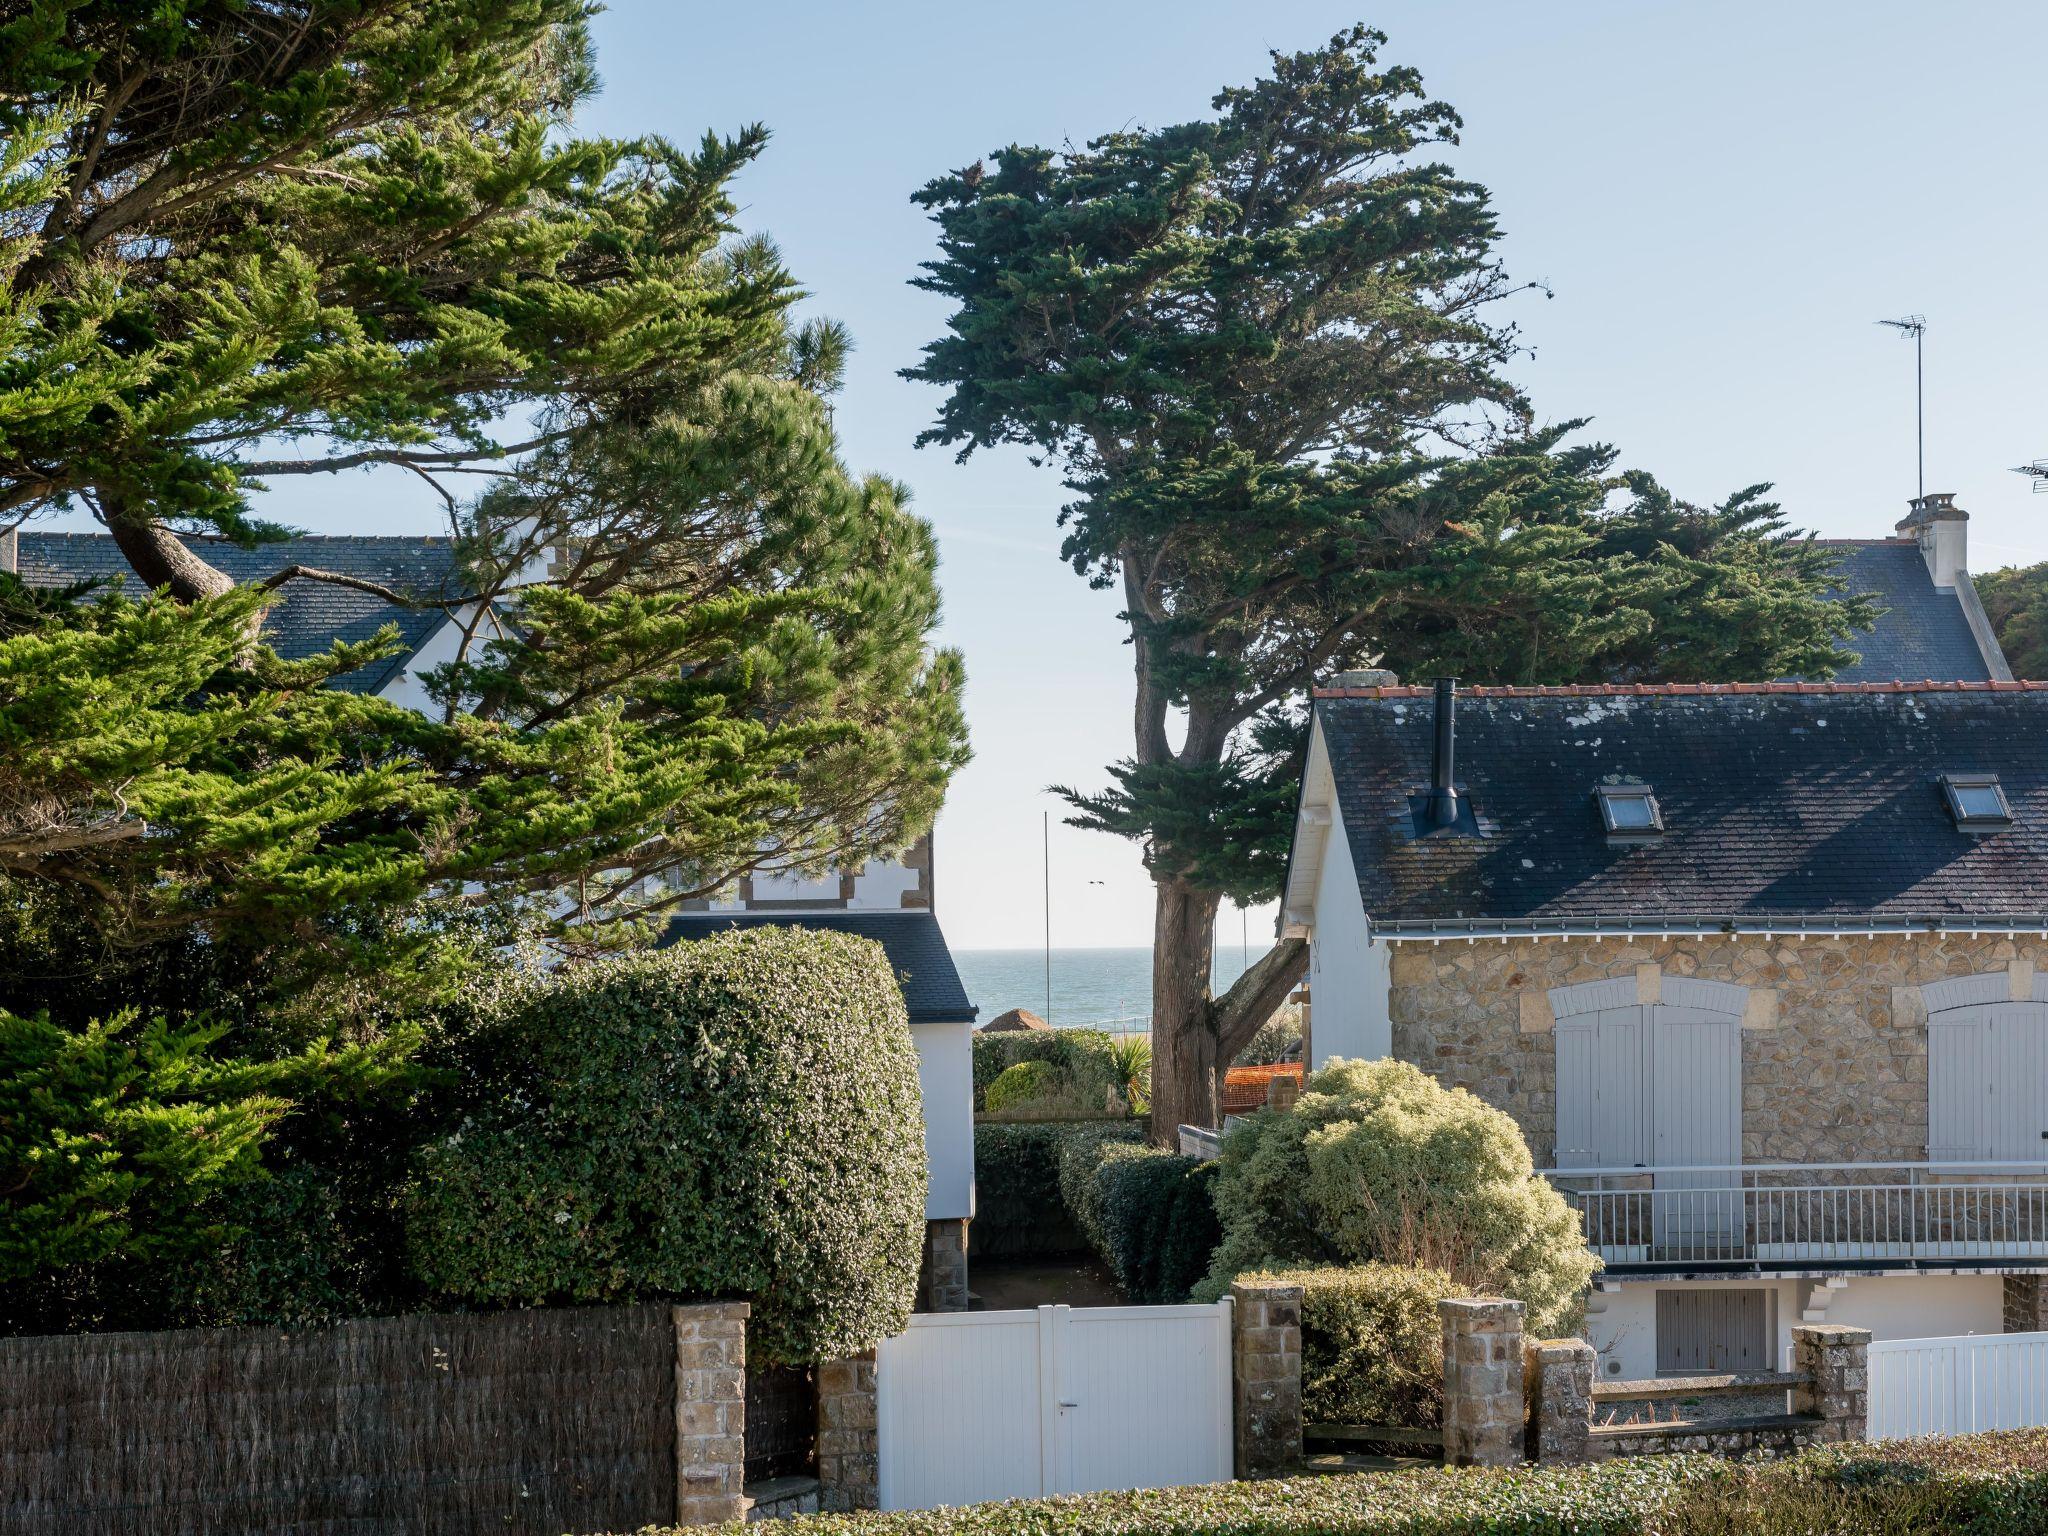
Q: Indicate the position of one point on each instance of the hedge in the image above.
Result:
(734, 1117)
(1079, 1057)
(1025, 1083)
(1982, 1485)
(1148, 1213)
(1372, 1343)
(1017, 1205)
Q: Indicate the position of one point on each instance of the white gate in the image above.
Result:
(1958, 1386)
(974, 1406)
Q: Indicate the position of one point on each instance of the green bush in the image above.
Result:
(1379, 1161)
(1372, 1343)
(1982, 1485)
(1018, 1208)
(736, 1117)
(1084, 1061)
(1148, 1213)
(1028, 1082)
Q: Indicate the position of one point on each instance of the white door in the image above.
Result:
(1987, 1083)
(1696, 1120)
(973, 1406)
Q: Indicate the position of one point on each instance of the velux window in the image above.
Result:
(1629, 813)
(1976, 801)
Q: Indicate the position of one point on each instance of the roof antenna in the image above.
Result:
(2037, 472)
(1915, 326)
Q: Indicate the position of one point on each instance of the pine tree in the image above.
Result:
(244, 244)
(1261, 348)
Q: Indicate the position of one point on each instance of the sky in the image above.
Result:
(1723, 200)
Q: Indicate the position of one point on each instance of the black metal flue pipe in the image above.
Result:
(1443, 796)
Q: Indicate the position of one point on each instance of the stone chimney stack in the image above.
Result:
(10, 551)
(1942, 528)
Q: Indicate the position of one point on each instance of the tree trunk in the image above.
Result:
(1185, 1071)
(160, 558)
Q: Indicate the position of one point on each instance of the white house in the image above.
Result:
(1754, 966)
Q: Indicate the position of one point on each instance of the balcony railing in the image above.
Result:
(1764, 1214)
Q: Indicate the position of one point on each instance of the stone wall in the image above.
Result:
(1834, 1041)
(2025, 1304)
(1557, 1381)
(942, 1277)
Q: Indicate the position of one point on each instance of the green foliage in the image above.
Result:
(1262, 349)
(1025, 1084)
(1130, 1070)
(1277, 1040)
(1083, 1061)
(1018, 1207)
(1982, 1485)
(736, 1117)
(1379, 1161)
(1150, 1214)
(366, 232)
(120, 1139)
(1372, 1343)
(2016, 602)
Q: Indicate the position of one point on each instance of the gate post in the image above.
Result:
(1835, 1360)
(1482, 1381)
(1265, 1376)
(849, 1439)
(711, 1412)
(1558, 1380)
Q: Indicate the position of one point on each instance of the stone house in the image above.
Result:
(1761, 970)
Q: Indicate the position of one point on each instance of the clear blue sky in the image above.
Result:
(1723, 197)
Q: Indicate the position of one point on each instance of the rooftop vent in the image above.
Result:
(1629, 813)
(1443, 794)
(1976, 802)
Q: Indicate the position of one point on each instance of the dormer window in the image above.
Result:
(1629, 813)
(1976, 802)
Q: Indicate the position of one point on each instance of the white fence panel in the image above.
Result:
(974, 1406)
(1958, 1386)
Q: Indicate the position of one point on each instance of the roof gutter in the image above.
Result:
(1699, 925)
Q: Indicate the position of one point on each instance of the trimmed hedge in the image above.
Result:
(1980, 1485)
(1025, 1083)
(1017, 1204)
(1148, 1213)
(734, 1117)
(1080, 1059)
(1372, 1343)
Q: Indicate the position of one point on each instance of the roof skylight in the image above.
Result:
(1629, 812)
(1976, 802)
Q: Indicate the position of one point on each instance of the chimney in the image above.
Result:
(1366, 677)
(1942, 528)
(1443, 795)
(10, 551)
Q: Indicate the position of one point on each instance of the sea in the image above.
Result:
(1097, 988)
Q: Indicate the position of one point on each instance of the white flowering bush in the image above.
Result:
(1378, 1161)
(735, 1118)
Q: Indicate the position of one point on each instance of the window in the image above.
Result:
(1629, 813)
(1976, 801)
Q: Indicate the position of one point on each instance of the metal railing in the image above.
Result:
(1785, 1213)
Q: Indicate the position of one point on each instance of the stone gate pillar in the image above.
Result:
(1483, 1391)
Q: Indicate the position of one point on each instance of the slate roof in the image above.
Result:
(1793, 800)
(310, 615)
(1922, 632)
(909, 936)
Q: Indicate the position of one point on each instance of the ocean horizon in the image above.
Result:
(1093, 988)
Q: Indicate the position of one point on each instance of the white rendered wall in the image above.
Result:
(1622, 1325)
(945, 1076)
(1347, 979)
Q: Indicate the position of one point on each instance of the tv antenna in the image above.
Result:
(1915, 326)
(2037, 472)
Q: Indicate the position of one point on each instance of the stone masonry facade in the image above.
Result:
(942, 1277)
(1834, 1037)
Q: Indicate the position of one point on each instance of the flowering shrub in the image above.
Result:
(1379, 1161)
(732, 1118)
